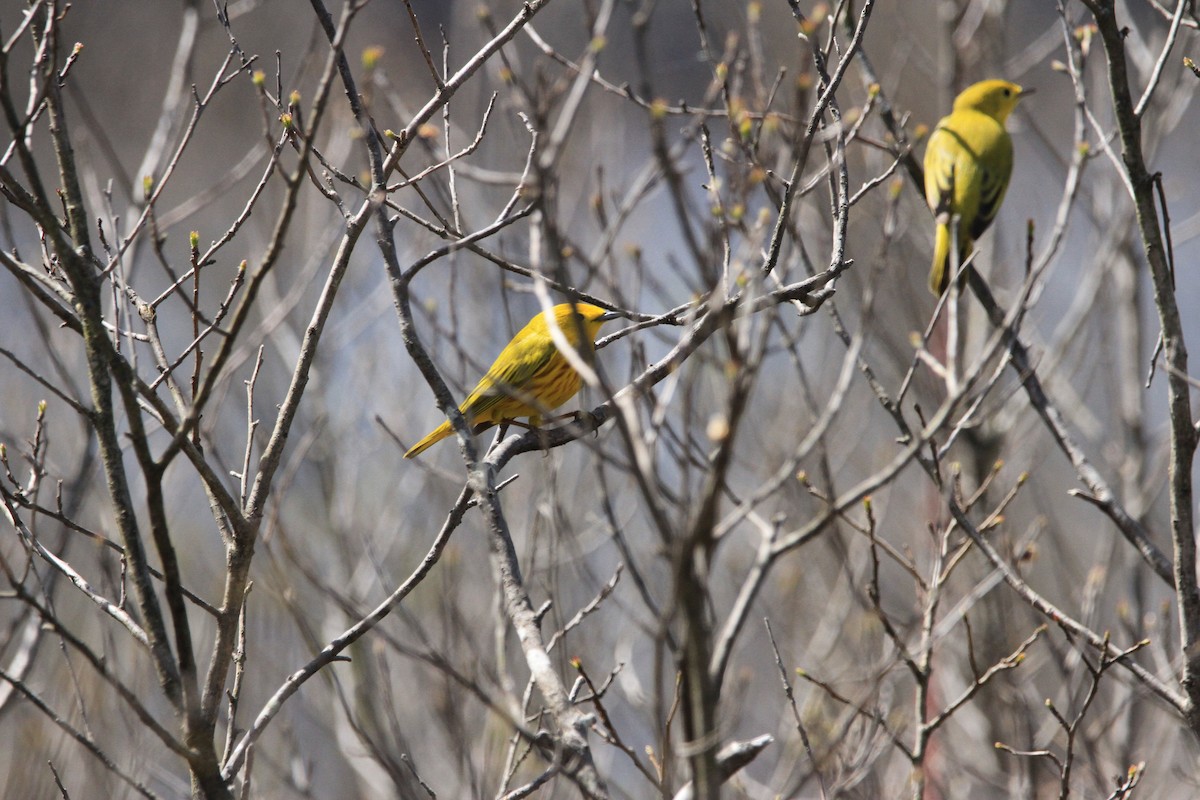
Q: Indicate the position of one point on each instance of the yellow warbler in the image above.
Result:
(968, 162)
(530, 376)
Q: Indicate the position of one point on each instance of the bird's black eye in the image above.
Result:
(1008, 92)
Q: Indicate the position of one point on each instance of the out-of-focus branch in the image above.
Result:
(1179, 702)
(1101, 494)
(333, 651)
(729, 759)
(1183, 433)
(82, 737)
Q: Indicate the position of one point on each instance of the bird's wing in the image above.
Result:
(977, 151)
(995, 168)
(513, 369)
(939, 171)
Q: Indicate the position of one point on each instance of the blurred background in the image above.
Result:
(660, 188)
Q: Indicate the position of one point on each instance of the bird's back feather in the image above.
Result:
(530, 376)
(968, 162)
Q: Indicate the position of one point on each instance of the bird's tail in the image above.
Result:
(435, 436)
(939, 273)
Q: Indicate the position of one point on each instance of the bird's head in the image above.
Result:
(590, 316)
(996, 98)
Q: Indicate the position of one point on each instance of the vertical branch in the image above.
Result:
(78, 263)
(1183, 434)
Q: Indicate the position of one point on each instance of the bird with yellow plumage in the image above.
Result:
(531, 376)
(968, 163)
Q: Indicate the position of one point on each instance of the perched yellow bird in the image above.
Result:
(530, 376)
(968, 162)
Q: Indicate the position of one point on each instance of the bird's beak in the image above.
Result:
(611, 315)
(1026, 92)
